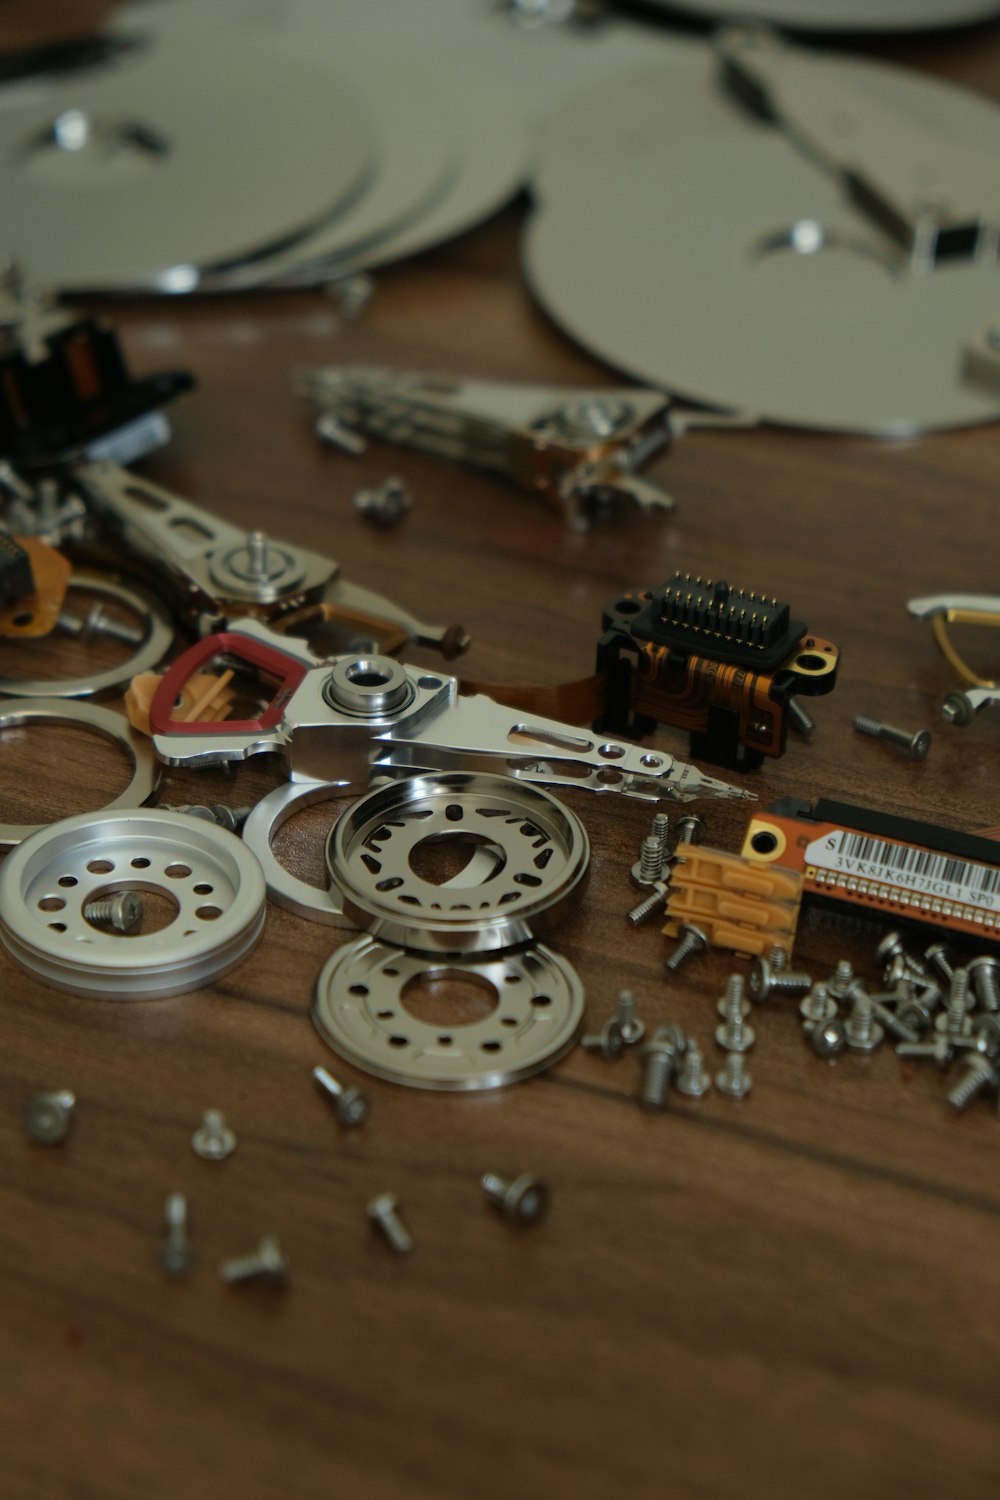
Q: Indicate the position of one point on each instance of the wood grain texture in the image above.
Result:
(792, 1298)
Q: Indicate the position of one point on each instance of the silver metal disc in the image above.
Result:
(724, 267)
(101, 721)
(526, 857)
(139, 176)
(842, 15)
(214, 881)
(284, 888)
(158, 637)
(360, 1010)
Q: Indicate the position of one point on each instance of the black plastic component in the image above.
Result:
(706, 616)
(967, 846)
(58, 399)
(16, 578)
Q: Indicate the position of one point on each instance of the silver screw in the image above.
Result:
(648, 869)
(267, 1263)
(352, 294)
(632, 1029)
(892, 946)
(213, 1140)
(986, 1030)
(387, 503)
(817, 1007)
(843, 982)
(984, 975)
(862, 1030)
(608, 1043)
(937, 956)
(692, 940)
(954, 1020)
(351, 1104)
(660, 830)
(732, 1003)
(917, 744)
(693, 1079)
(940, 1050)
(690, 829)
(828, 1037)
(734, 1079)
(803, 721)
(895, 1025)
(176, 1255)
(523, 1200)
(655, 901)
(332, 430)
(768, 979)
(230, 818)
(258, 559)
(48, 1117)
(979, 1074)
(122, 912)
(734, 1034)
(382, 1212)
(99, 623)
(659, 1056)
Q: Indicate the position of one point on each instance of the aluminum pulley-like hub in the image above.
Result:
(522, 860)
(214, 883)
(361, 1011)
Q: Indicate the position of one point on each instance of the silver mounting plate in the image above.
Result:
(360, 1010)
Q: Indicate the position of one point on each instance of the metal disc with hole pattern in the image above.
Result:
(360, 1010)
(138, 177)
(209, 877)
(727, 268)
(522, 861)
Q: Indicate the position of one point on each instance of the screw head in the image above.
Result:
(526, 1201)
(380, 1207)
(352, 1107)
(213, 1140)
(828, 1038)
(47, 1117)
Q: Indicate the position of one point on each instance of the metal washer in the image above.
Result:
(147, 655)
(48, 881)
(284, 888)
(145, 769)
(529, 863)
(360, 1011)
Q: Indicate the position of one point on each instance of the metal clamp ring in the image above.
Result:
(529, 858)
(360, 1010)
(150, 652)
(284, 888)
(145, 770)
(214, 882)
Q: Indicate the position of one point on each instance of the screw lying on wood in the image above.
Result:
(382, 1212)
(917, 743)
(268, 1263)
(523, 1200)
(351, 1105)
(176, 1255)
(213, 1140)
(47, 1117)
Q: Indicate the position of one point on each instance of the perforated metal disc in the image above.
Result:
(526, 859)
(701, 252)
(214, 881)
(360, 1011)
(135, 177)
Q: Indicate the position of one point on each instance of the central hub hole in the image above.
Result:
(367, 674)
(447, 997)
(468, 859)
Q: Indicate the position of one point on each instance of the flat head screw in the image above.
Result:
(828, 1038)
(351, 1105)
(48, 1117)
(979, 1075)
(632, 1029)
(176, 1255)
(916, 745)
(984, 976)
(213, 1140)
(522, 1200)
(734, 1079)
(608, 1043)
(692, 940)
(268, 1263)
(122, 912)
(659, 1057)
(382, 1212)
(693, 1080)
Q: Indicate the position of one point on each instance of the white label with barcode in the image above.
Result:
(862, 856)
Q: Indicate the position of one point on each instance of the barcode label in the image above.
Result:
(860, 856)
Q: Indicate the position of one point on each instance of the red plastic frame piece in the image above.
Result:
(276, 663)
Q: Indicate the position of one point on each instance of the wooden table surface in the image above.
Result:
(791, 1296)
